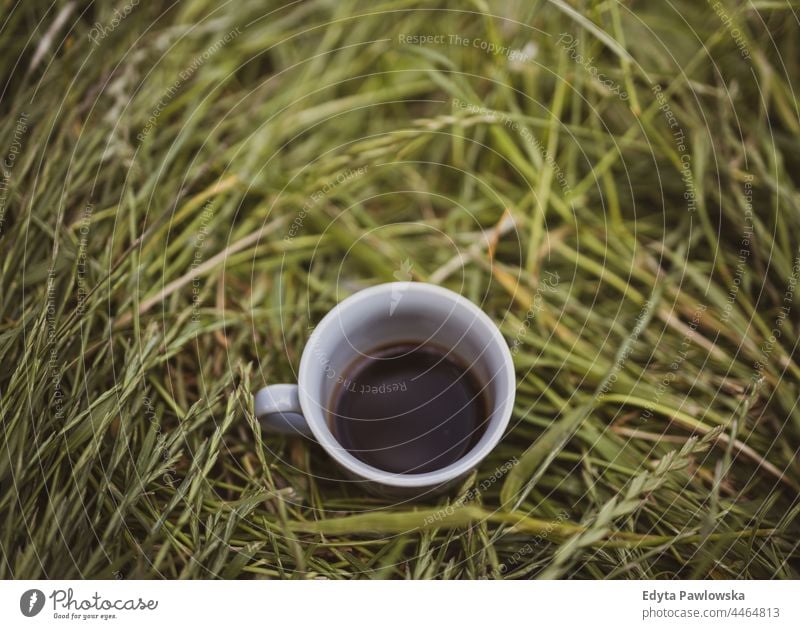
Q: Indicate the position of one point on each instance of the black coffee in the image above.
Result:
(408, 409)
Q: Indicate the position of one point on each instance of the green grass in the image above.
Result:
(152, 279)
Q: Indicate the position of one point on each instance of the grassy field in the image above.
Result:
(188, 188)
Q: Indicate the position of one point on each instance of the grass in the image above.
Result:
(172, 227)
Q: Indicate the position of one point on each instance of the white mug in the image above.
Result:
(378, 316)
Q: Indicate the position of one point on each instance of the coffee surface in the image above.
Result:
(408, 409)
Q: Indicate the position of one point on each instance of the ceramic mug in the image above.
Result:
(377, 316)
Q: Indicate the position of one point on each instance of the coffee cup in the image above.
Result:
(433, 338)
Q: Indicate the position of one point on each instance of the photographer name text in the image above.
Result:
(683, 595)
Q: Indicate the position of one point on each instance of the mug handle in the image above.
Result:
(277, 406)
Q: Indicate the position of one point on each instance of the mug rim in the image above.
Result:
(324, 436)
